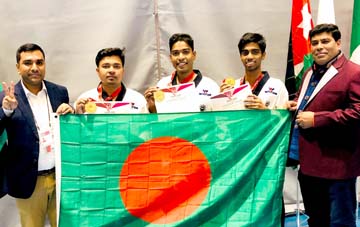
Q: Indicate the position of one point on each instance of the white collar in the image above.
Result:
(27, 92)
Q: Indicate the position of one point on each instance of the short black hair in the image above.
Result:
(252, 38)
(328, 28)
(181, 37)
(106, 52)
(28, 47)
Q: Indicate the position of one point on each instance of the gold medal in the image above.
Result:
(159, 96)
(230, 81)
(90, 107)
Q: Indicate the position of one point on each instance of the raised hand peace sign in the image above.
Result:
(9, 102)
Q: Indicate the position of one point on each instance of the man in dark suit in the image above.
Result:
(326, 132)
(29, 159)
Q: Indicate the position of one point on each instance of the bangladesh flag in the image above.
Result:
(299, 55)
(179, 169)
(355, 34)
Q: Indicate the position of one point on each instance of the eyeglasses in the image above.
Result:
(252, 51)
(176, 53)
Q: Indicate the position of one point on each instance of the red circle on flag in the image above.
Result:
(164, 180)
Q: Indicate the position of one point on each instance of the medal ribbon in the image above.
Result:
(112, 97)
(257, 81)
(187, 79)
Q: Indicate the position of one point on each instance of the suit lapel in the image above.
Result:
(330, 73)
(304, 87)
(56, 95)
(24, 106)
(52, 96)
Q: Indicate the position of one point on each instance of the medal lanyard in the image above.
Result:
(257, 81)
(112, 97)
(187, 79)
(47, 107)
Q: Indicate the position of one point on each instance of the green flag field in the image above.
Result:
(355, 33)
(181, 169)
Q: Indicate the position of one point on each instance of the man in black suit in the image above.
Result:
(29, 160)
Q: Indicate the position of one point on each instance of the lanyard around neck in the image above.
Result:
(256, 83)
(187, 79)
(112, 97)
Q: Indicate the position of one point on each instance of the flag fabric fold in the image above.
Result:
(182, 169)
(299, 56)
(355, 34)
(326, 12)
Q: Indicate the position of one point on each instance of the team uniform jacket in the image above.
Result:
(205, 87)
(129, 96)
(273, 94)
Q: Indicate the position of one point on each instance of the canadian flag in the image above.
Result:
(299, 56)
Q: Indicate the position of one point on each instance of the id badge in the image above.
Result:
(47, 140)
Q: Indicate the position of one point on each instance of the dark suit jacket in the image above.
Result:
(331, 149)
(22, 154)
(2, 165)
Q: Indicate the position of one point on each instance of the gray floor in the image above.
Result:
(8, 213)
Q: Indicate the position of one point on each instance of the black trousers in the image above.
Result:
(328, 202)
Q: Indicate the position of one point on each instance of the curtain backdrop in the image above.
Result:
(72, 32)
